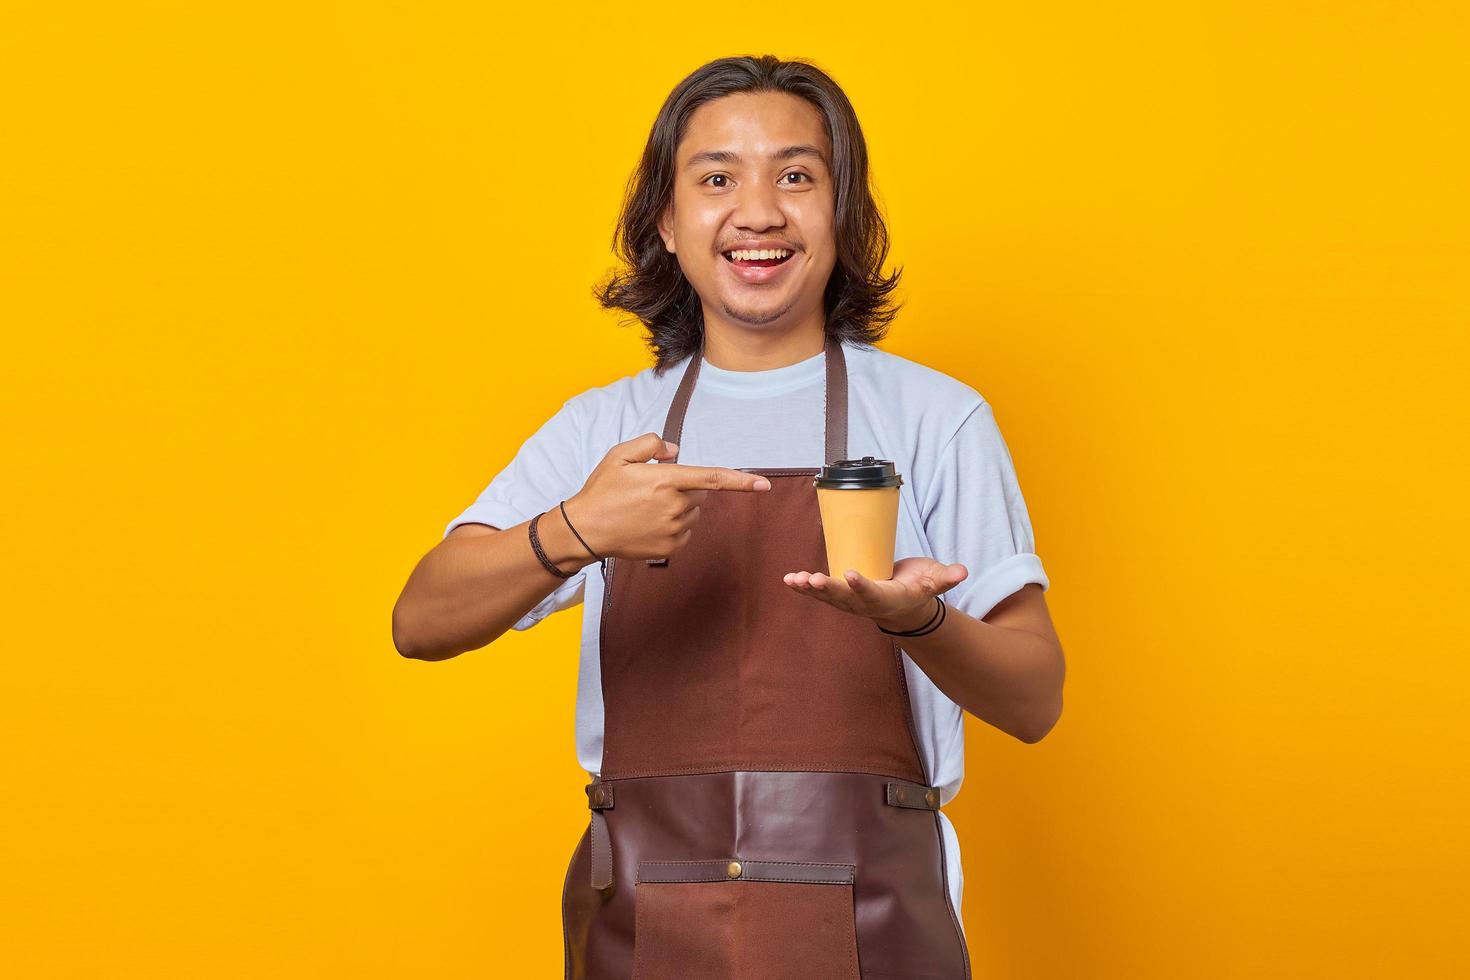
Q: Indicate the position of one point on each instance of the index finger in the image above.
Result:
(712, 478)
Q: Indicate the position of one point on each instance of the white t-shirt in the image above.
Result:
(960, 500)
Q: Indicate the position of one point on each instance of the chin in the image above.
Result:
(755, 315)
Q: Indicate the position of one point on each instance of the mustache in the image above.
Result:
(725, 248)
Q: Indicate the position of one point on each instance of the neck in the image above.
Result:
(739, 348)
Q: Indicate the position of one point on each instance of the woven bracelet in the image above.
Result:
(536, 546)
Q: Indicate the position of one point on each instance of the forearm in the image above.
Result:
(1010, 678)
(468, 591)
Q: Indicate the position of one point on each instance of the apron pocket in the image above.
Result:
(744, 920)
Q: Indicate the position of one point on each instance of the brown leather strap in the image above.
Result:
(732, 869)
(834, 401)
(674, 421)
(912, 795)
(602, 863)
(599, 798)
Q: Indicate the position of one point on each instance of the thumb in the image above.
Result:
(642, 449)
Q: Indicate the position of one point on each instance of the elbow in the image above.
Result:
(411, 651)
(1047, 710)
(404, 649)
(1041, 726)
(1032, 736)
(409, 643)
(403, 638)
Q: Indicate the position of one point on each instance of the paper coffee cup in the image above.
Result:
(858, 500)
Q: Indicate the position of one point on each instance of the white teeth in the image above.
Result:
(747, 254)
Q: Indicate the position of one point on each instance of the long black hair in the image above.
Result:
(654, 289)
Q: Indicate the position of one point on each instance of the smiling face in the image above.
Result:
(752, 173)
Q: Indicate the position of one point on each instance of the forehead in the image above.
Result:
(754, 124)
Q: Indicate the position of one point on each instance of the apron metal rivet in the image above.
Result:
(733, 870)
(931, 797)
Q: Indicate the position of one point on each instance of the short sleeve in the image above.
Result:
(547, 469)
(975, 515)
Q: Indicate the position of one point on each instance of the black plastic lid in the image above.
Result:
(858, 474)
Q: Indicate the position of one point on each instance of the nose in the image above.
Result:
(758, 207)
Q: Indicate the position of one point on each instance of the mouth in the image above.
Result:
(756, 266)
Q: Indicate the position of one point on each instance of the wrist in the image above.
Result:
(910, 619)
(561, 547)
(577, 530)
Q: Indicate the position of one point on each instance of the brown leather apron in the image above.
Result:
(761, 812)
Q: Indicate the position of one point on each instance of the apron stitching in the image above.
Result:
(720, 878)
(953, 916)
(566, 935)
(908, 710)
(754, 767)
(638, 927)
(789, 864)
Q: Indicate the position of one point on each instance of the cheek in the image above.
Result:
(694, 217)
(824, 253)
(817, 227)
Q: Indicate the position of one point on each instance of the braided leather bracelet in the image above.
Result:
(935, 621)
(536, 545)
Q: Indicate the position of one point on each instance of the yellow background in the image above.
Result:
(284, 285)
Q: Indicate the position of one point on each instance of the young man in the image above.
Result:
(767, 754)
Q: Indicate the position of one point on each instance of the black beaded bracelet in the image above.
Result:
(536, 545)
(935, 621)
(563, 506)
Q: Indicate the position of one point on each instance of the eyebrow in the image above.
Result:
(730, 156)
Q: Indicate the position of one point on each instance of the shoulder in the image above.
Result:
(897, 375)
(606, 414)
(926, 398)
(631, 391)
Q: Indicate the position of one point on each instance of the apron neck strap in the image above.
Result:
(835, 399)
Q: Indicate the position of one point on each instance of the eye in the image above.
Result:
(712, 177)
(798, 173)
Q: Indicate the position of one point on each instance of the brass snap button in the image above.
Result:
(931, 797)
(733, 869)
(598, 796)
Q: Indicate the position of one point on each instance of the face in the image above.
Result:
(752, 172)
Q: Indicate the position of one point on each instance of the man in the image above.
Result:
(768, 744)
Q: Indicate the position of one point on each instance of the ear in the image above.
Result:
(666, 227)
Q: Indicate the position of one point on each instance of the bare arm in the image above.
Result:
(479, 581)
(476, 584)
(1006, 669)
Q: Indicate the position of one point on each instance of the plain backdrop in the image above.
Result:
(284, 285)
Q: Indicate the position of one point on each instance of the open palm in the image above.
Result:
(915, 581)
